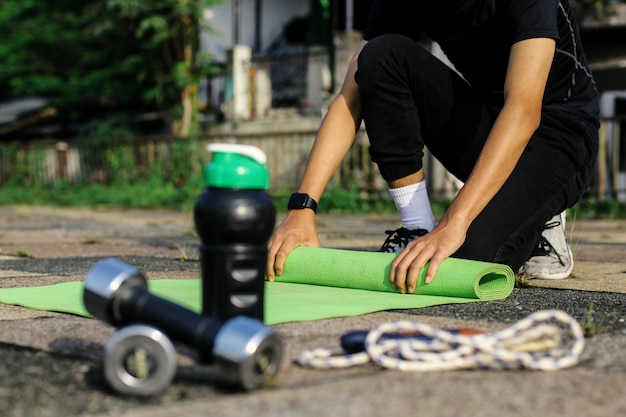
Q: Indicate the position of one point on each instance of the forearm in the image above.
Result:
(521, 115)
(505, 145)
(335, 135)
(334, 139)
(500, 155)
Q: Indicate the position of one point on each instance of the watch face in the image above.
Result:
(298, 201)
(301, 201)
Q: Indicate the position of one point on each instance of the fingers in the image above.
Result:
(407, 267)
(280, 257)
(290, 234)
(271, 262)
(433, 267)
(421, 259)
(276, 257)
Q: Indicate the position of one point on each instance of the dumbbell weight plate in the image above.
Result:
(139, 360)
(103, 281)
(247, 353)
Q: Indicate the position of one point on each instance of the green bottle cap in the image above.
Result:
(236, 166)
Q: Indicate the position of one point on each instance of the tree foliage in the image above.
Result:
(93, 56)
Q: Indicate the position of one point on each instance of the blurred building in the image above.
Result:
(603, 31)
(278, 54)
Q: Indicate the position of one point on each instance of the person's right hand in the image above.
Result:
(298, 229)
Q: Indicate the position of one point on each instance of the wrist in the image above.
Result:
(456, 220)
(302, 202)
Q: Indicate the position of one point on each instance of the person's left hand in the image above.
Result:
(434, 247)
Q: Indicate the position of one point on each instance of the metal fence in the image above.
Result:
(140, 159)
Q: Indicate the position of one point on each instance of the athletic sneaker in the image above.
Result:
(398, 239)
(552, 259)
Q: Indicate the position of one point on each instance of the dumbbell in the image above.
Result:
(246, 353)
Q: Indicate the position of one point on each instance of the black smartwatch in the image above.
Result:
(299, 201)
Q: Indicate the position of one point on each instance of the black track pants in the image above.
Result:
(410, 99)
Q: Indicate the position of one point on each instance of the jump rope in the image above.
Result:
(546, 340)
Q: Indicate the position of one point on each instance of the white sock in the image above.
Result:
(414, 206)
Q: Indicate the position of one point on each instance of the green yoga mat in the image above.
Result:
(370, 271)
(317, 283)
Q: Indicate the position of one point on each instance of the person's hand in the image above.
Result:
(298, 229)
(434, 247)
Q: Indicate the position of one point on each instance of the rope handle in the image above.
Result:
(546, 340)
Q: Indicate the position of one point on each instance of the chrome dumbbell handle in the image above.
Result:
(118, 294)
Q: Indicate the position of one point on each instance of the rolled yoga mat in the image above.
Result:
(317, 283)
(370, 271)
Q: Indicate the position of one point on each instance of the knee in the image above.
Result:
(390, 46)
(387, 54)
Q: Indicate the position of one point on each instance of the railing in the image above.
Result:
(611, 169)
(288, 74)
(47, 161)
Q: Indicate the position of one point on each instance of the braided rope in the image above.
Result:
(536, 342)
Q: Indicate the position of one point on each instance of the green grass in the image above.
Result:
(157, 194)
(592, 208)
(593, 326)
(62, 194)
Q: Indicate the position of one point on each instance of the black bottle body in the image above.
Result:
(234, 226)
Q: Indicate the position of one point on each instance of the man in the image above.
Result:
(519, 127)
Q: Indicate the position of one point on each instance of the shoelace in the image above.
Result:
(400, 237)
(545, 247)
(546, 340)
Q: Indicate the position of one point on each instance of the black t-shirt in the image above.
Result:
(477, 35)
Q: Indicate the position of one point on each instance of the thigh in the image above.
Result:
(552, 174)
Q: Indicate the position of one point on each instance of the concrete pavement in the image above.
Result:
(51, 362)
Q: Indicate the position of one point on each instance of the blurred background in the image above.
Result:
(101, 99)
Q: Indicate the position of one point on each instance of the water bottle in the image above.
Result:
(234, 217)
